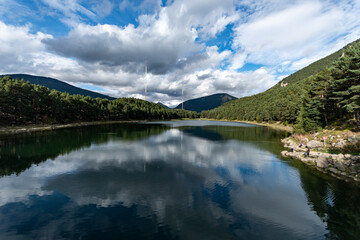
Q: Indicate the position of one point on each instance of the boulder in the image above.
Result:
(334, 170)
(340, 157)
(322, 161)
(314, 144)
(341, 143)
(315, 154)
(338, 165)
(355, 158)
(308, 160)
(347, 163)
(352, 139)
(352, 169)
(284, 153)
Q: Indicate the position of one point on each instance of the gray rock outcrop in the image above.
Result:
(322, 162)
(341, 143)
(314, 144)
(339, 165)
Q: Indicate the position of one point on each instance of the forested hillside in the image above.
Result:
(25, 103)
(60, 86)
(207, 102)
(321, 94)
(334, 93)
(312, 69)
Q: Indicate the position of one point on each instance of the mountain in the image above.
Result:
(325, 92)
(206, 103)
(52, 83)
(160, 103)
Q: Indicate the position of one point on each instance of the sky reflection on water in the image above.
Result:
(176, 184)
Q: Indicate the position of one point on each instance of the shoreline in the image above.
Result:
(277, 126)
(341, 166)
(13, 130)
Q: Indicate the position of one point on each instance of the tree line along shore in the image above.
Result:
(22, 103)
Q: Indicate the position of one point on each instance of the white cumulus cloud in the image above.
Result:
(180, 40)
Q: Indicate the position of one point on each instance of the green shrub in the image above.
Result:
(353, 149)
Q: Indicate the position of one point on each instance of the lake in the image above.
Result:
(167, 180)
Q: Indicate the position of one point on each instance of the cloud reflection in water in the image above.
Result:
(176, 179)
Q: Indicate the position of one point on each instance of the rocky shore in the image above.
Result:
(342, 166)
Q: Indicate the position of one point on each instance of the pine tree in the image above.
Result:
(346, 85)
(319, 102)
(309, 118)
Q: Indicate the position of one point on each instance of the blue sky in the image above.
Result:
(240, 47)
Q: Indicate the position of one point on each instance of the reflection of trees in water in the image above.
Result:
(18, 153)
(336, 202)
(192, 194)
(263, 137)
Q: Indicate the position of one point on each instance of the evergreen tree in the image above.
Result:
(318, 104)
(346, 84)
(25, 103)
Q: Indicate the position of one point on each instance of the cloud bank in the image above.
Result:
(206, 46)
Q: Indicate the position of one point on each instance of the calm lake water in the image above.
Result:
(167, 180)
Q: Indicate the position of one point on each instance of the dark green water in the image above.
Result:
(178, 180)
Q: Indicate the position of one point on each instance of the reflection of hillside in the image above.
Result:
(334, 201)
(202, 132)
(171, 185)
(265, 137)
(18, 153)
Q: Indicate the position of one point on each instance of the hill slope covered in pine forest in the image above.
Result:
(207, 102)
(58, 85)
(319, 95)
(24, 103)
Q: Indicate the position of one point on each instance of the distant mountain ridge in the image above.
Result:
(58, 85)
(160, 103)
(207, 102)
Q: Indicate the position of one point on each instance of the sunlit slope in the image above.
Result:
(277, 103)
